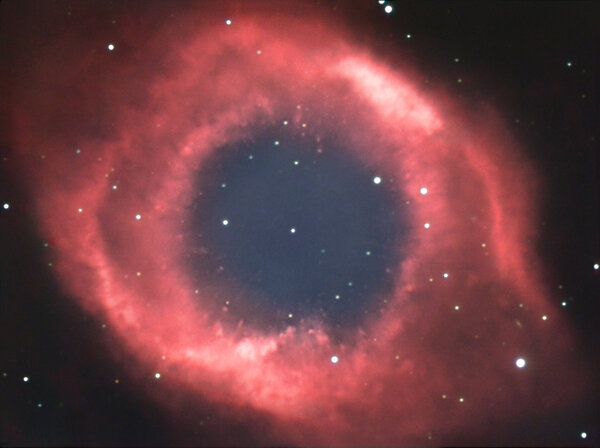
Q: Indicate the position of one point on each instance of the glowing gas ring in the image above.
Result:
(446, 346)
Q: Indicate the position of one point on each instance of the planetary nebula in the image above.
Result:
(141, 164)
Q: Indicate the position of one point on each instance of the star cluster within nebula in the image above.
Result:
(461, 332)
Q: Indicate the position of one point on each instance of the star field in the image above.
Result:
(298, 224)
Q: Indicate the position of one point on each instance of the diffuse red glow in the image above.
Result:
(467, 302)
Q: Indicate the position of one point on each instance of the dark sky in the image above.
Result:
(535, 63)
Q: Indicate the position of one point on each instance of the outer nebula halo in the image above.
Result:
(465, 339)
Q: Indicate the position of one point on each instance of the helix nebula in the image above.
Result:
(461, 340)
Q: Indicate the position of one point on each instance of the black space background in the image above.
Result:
(513, 55)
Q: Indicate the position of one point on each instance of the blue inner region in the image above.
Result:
(303, 233)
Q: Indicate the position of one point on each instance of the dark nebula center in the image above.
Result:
(300, 227)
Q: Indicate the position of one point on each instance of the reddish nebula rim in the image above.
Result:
(467, 300)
